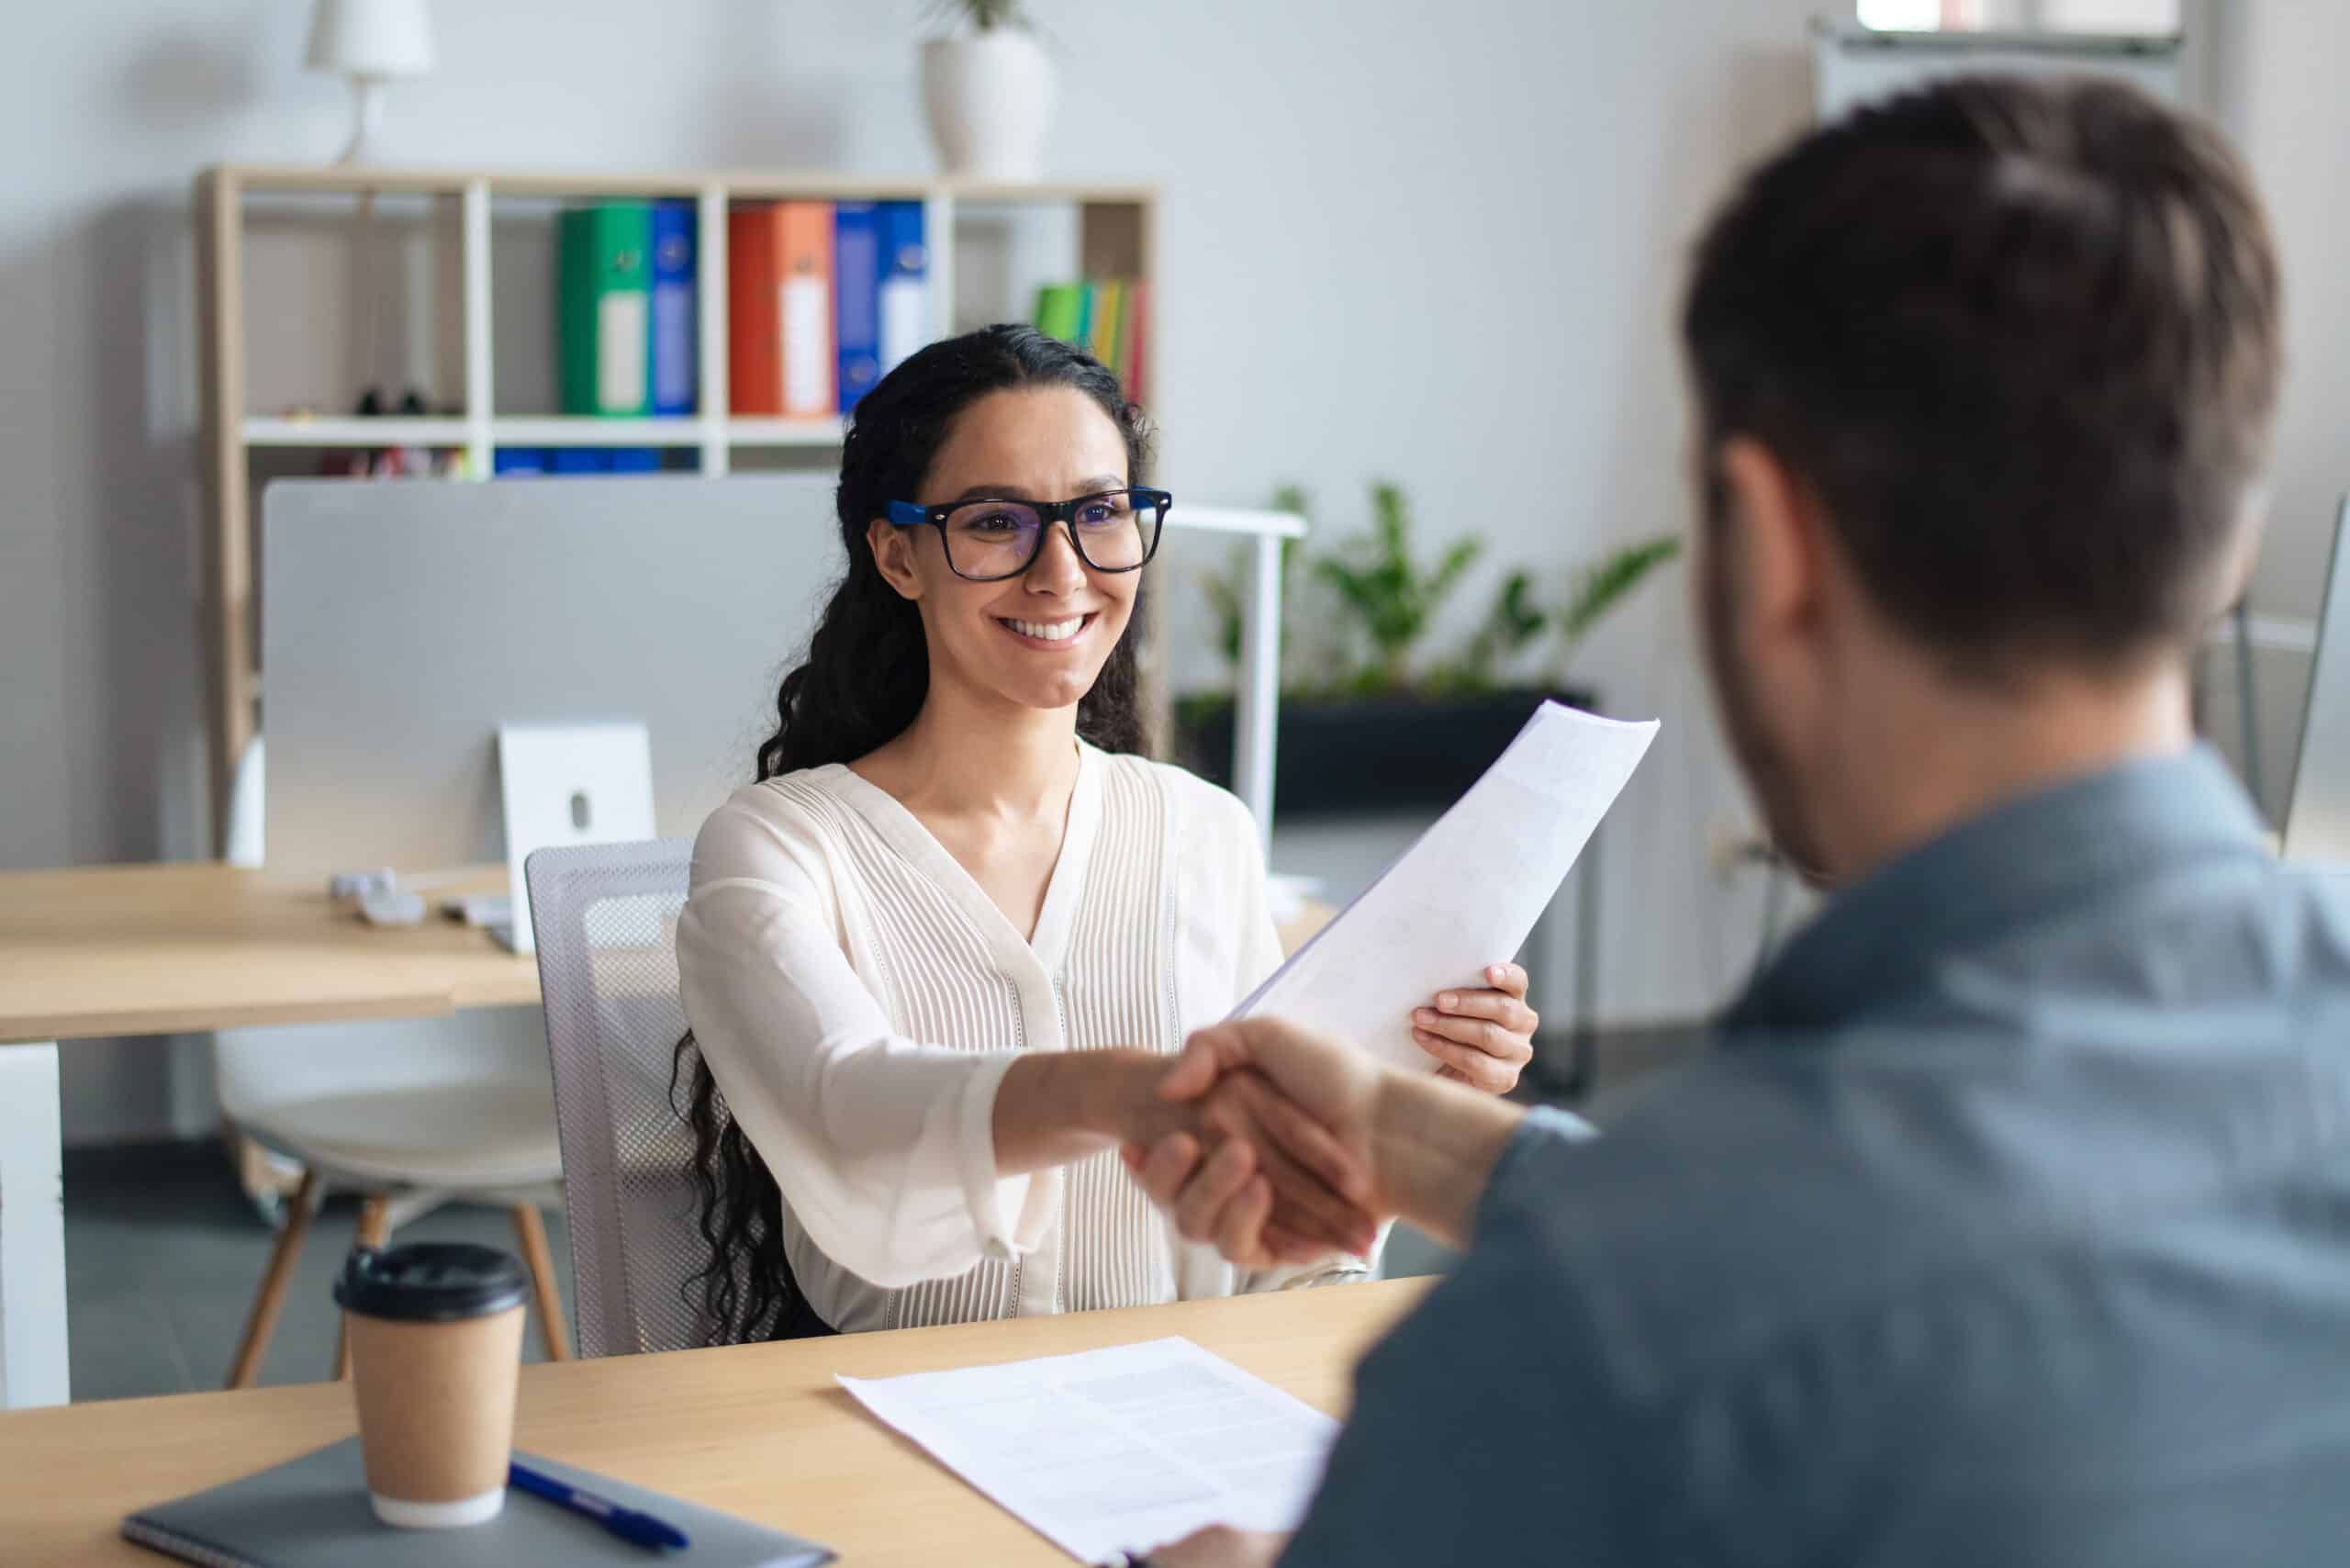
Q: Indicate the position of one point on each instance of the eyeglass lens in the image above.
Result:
(998, 539)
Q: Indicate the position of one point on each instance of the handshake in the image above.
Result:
(1279, 1146)
(1270, 1158)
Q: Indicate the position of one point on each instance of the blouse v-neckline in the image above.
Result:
(906, 834)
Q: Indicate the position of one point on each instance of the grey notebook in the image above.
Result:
(314, 1510)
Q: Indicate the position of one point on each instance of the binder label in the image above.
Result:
(620, 329)
(901, 321)
(807, 346)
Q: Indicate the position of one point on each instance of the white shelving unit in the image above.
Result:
(1117, 237)
(549, 429)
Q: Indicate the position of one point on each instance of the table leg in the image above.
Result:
(32, 1230)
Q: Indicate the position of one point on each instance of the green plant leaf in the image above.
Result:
(1606, 584)
(1354, 586)
(1457, 560)
(1511, 621)
(1390, 518)
(1390, 596)
(1520, 621)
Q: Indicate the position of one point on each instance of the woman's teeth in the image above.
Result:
(1047, 631)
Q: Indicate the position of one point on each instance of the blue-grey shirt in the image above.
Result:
(2010, 1225)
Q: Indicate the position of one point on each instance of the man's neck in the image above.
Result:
(1923, 765)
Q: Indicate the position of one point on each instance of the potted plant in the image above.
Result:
(1366, 725)
(988, 88)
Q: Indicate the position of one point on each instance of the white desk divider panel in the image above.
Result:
(405, 622)
(32, 1231)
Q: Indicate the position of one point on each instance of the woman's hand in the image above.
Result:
(1484, 1037)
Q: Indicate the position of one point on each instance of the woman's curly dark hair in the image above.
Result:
(861, 684)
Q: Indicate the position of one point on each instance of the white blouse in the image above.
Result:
(858, 998)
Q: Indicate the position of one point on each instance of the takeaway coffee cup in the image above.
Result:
(436, 1341)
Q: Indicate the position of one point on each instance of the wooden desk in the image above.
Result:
(107, 950)
(758, 1431)
(167, 949)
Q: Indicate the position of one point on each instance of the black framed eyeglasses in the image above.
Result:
(988, 539)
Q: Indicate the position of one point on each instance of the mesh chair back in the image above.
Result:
(606, 916)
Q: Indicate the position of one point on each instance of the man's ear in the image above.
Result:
(2243, 552)
(893, 555)
(1780, 545)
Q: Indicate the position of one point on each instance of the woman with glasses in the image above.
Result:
(935, 959)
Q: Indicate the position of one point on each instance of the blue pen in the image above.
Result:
(625, 1523)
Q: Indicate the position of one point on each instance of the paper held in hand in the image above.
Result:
(1466, 894)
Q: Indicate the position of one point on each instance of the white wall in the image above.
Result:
(2277, 87)
(1438, 244)
(2279, 82)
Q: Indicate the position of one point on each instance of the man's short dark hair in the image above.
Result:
(2020, 340)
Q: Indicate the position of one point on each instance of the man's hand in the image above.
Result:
(1407, 1144)
(1259, 1180)
(1282, 1111)
(1264, 1159)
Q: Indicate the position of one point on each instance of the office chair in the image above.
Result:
(384, 1109)
(605, 918)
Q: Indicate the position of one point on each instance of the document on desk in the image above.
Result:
(1119, 1449)
(1466, 893)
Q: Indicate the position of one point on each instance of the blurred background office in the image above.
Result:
(1434, 247)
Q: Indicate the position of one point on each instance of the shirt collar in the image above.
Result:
(1981, 878)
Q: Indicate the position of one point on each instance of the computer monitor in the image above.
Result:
(405, 622)
(2317, 817)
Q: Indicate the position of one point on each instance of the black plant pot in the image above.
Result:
(1339, 758)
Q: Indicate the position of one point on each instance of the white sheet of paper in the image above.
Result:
(1466, 893)
(1119, 1449)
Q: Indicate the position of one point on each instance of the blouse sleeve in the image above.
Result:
(883, 1146)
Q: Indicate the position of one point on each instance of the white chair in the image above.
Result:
(409, 1115)
(606, 919)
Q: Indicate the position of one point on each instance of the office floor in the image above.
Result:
(163, 1252)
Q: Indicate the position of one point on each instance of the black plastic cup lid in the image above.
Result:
(432, 1282)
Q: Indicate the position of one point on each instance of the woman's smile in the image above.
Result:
(1057, 634)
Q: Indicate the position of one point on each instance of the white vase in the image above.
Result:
(990, 100)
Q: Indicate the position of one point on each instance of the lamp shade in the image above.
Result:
(371, 37)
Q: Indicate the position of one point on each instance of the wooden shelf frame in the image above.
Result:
(1117, 236)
